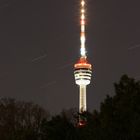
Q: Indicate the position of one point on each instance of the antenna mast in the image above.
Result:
(82, 24)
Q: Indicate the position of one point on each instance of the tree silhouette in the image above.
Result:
(20, 120)
(118, 118)
(120, 115)
(59, 127)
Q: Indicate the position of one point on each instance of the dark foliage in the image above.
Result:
(118, 118)
(20, 120)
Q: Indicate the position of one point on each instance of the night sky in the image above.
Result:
(39, 44)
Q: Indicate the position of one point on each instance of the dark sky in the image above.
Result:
(39, 44)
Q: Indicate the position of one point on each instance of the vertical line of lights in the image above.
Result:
(82, 23)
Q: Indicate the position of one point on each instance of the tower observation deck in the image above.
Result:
(82, 69)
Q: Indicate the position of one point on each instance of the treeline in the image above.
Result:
(118, 118)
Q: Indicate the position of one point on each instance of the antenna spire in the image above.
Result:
(82, 24)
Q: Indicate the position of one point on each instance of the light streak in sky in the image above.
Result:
(39, 58)
(65, 66)
(134, 47)
(2, 75)
(6, 3)
(3, 6)
(48, 84)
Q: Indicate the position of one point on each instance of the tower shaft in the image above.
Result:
(82, 99)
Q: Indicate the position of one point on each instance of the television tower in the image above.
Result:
(82, 69)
